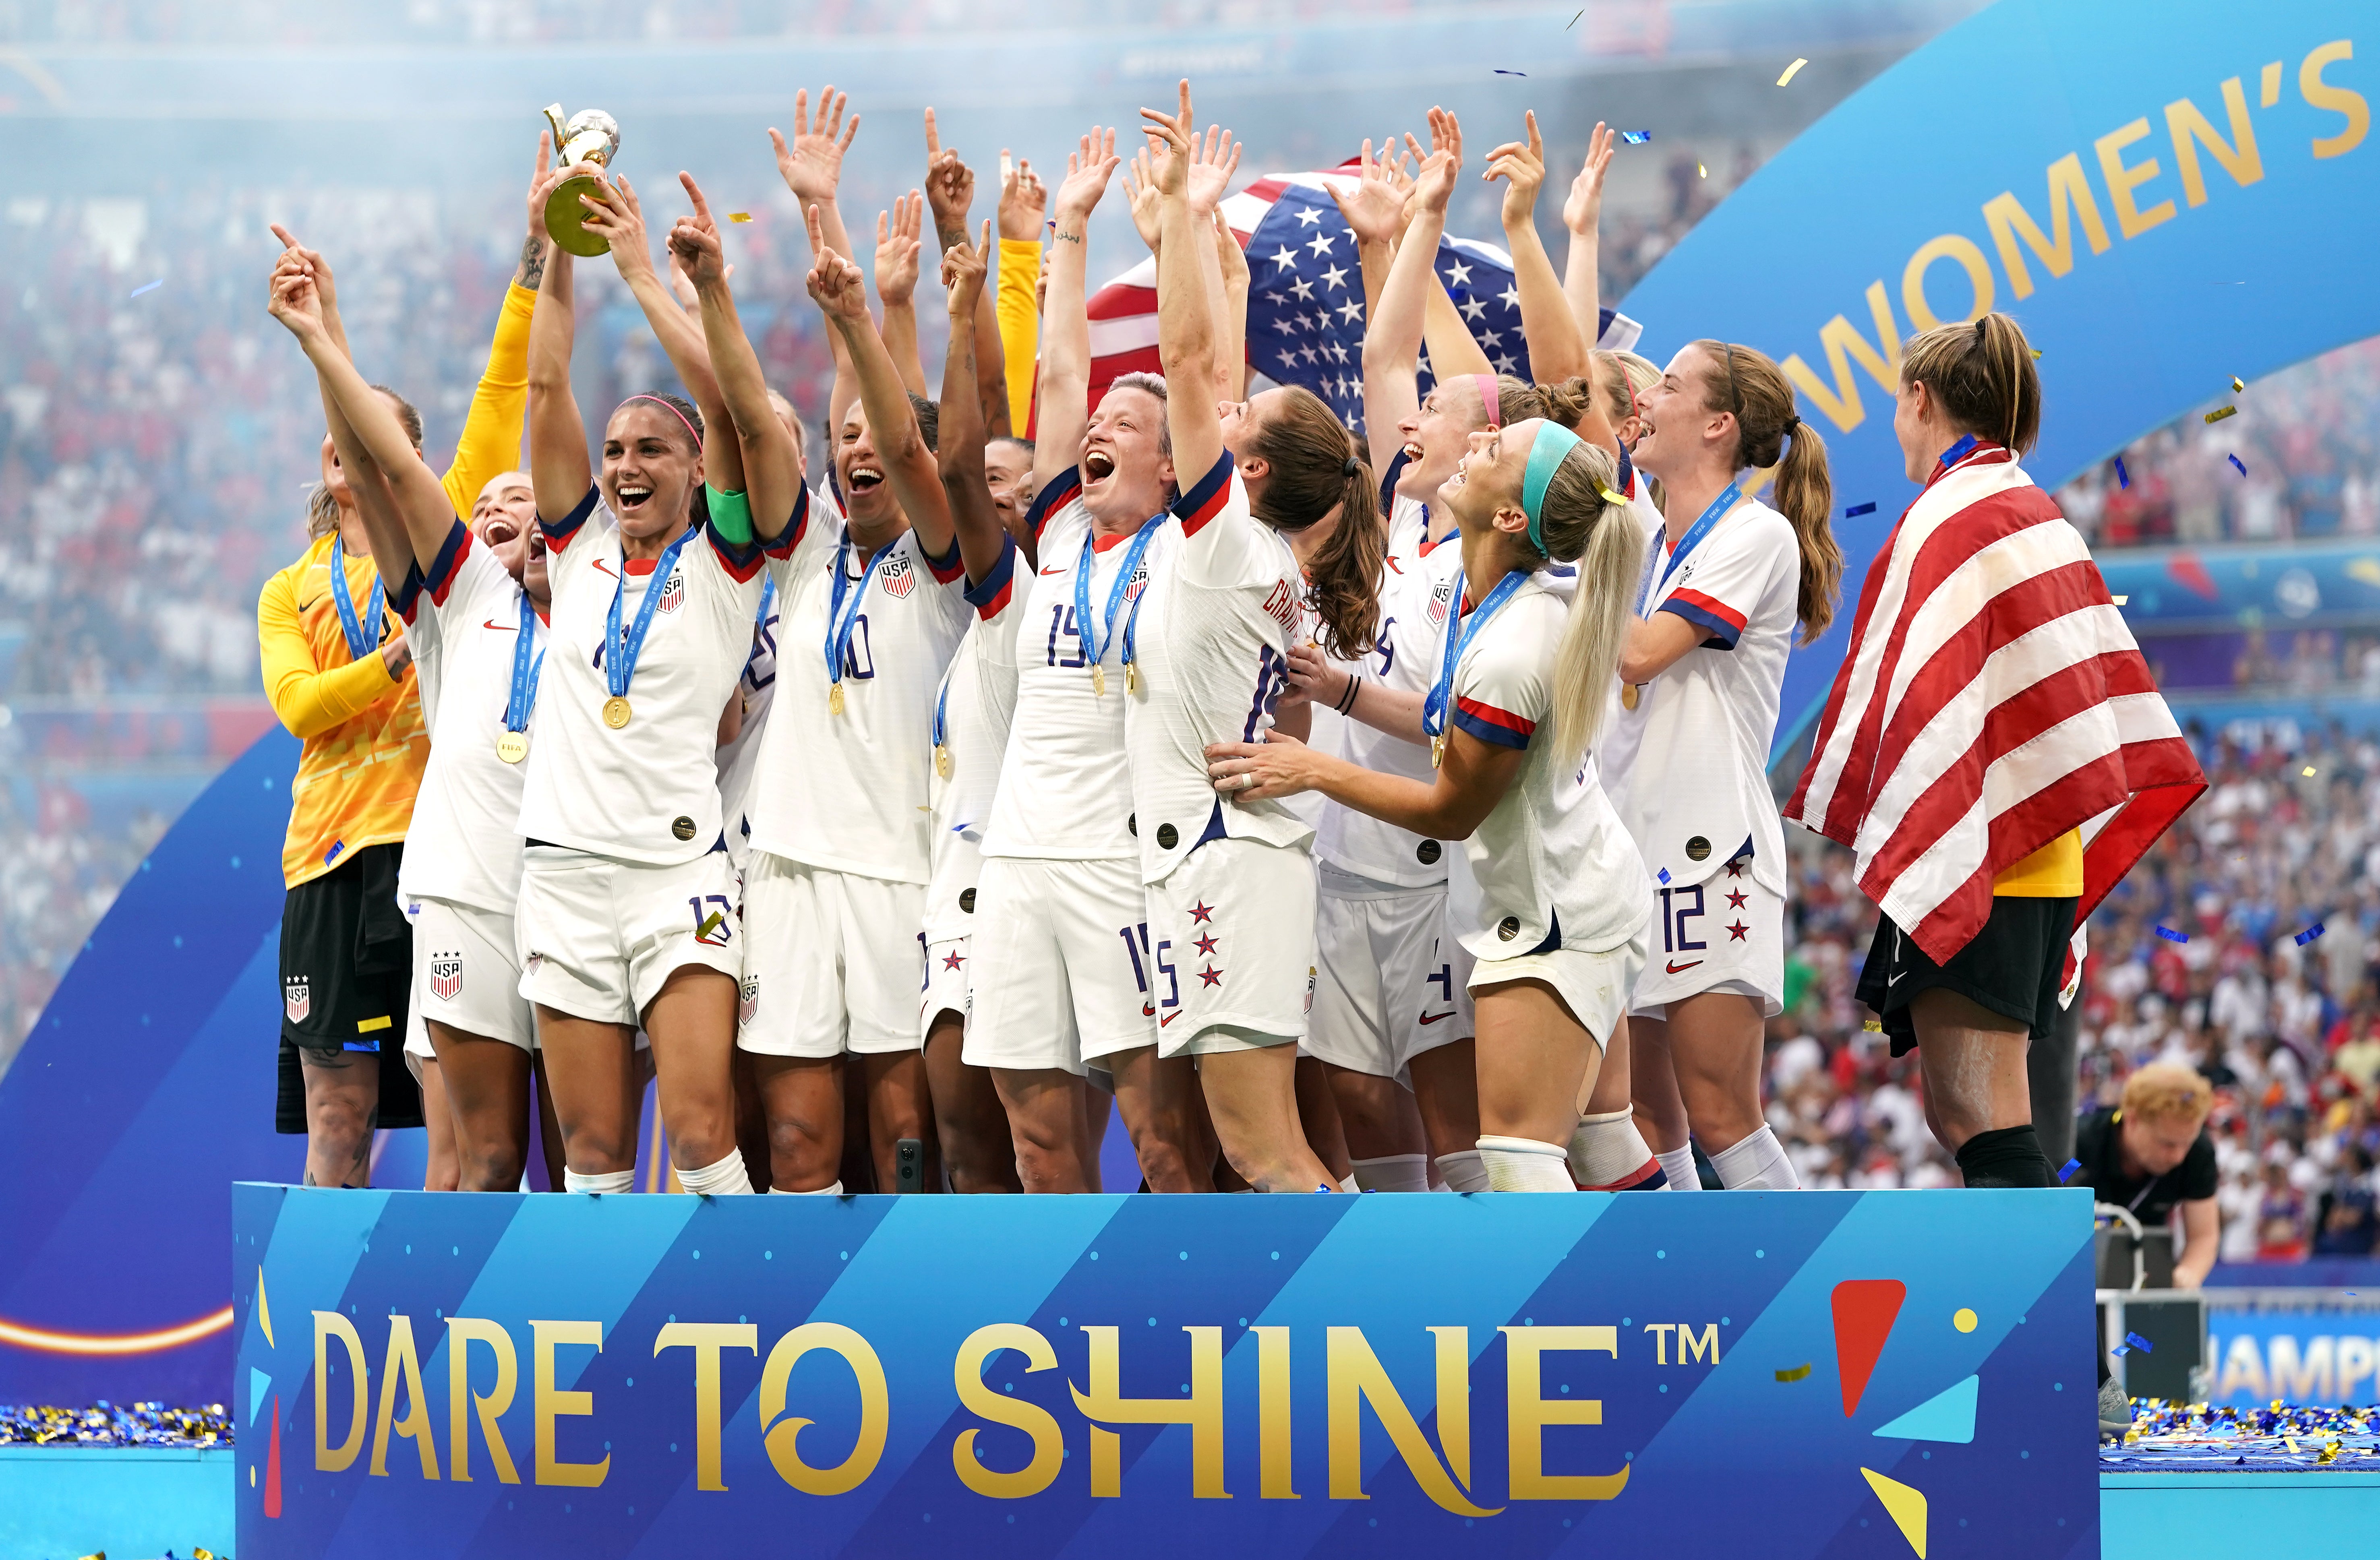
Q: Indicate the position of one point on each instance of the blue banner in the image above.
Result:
(2324, 1355)
(2165, 194)
(1797, 1375)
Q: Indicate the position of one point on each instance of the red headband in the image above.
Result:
(674, 411)
(1488, 398)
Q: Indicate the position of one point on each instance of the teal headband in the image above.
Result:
(1554, 442)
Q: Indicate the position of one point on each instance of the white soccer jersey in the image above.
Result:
(973, 708)
(1213, 645)
(1326, 731)
(848, 790)
(740, 761)
(1688, 767)
(1063, 794)
(464, 843)
(1550, 866)
(646, 792)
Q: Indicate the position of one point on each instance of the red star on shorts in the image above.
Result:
(1207, 945)
(1210, 976)
(1202, 912)
(952, 961)
(1735, 933)
(1735, 898)
(1735, 867)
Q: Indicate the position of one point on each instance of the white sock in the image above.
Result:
(1757, 1163)
(1525, 1165)
(610, 1180)
(1679, 1166)
(1608, 1154)
(1393, 1172)
(834, 1191)
(725, 1179)
(1463, 1171)
(1349, 1184)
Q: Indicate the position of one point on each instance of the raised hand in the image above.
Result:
(326, 291)
(1375, 208)
(694, 240)
(1173, 146)
(1232, 259)
(1521, 167)
(1140, 186)
(1088, 168)
(812, 162)
(896, 248)
(834, 283)
(949, 188)
(1021, 201)
(1583, 207)
(291, 296)
(621, 221)
(1211, 168)
(1435, 184)
(538, 186)
(963, 268)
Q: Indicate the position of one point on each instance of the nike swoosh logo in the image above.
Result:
(1058, 570)
(310, 606)
(1433, 1018)
(1894, 979)
(1169, 1018)
(1677, 969)
(606, 568)
(1394, 564)
(501, 627)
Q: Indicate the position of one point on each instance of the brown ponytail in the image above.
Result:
(1319, 470)
(1983, 375)
(1770, 432)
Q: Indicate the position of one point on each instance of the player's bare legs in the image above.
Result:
(1047, 1124)
(692, 1022)
(591, 1071)
(443, 1172)
(899, 1106)
(803, 1098)
(341, 1094)
(968, 1119)
(1157, 1100)
(1252, 1097)
(492, 1147)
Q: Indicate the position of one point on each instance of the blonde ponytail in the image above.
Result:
(1603, 538)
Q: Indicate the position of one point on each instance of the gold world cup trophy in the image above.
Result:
(593, 136)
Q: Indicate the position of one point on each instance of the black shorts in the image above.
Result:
(2011, 965)
(346, 979)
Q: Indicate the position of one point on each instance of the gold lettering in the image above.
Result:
(1949, 246)
(980, 1400)
(1660, 1331)
(1843, 342)
(2189, 127)
(707, 1339)
(1202, 1410)
(1356, 1378)
(2122, 181)
(2070, 197)
(462, 1332)
(544, 1338)
(1274, 1445)
(329, 1324)
(1527, 1414)
(402, 1365)
(2343, 101)
(1692, 1348)
(875, 1409)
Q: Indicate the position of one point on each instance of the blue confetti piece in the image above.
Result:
(2234, 461)
(2121, 1350)
(2071, 1167)
(337, 846)
(150, 288)
(2309, 934)
(2171, 936)
(2139, 1343)
(1511, 73)
(1856, 511)
(1637, 137)
(2123, 477)
(1665, 875)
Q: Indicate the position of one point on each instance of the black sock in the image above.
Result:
(2005, 1156)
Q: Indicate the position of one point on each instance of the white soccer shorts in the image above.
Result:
(599, 937)
(1231, 947)
(830, 961)
(1376, 965)
(1061, 963)
(466, 974)
(1594, 987)
(1724, 934)
(949, 974)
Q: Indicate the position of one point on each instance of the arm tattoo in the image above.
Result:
(532, 264)
(951, 236)
(1066, 237)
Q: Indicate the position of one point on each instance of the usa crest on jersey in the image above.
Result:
(749, 999)
(1139, 583)
(898, 578)
(446, 976)
(674, 593)
(1440, 598)
(297, 1000)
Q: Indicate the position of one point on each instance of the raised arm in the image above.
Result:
(1557, 351)
(960, 454)
(1392, 340)
(1583, 214)
(767, 463)
(897, 250)
(1186, 313)
(892, 423)
(1023, 201)
(558, 468)
(1466, 788)
(294, 298)
(1374, 211)
(811, 166)
(1063, 407)
(491, 440)
(950, 192)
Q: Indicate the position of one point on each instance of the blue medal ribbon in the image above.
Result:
(524, 672)
(767, 597)
(620, 662)
(358, 645)
(1461, 629)
(839, 622)
(1693, 538)
(1096, 635)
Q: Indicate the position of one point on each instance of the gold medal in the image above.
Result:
(835, 698)
(1628, 695)
(1098, 681)
(1437, 750)
(512, 747)
(1131, 677)
(616, 711)
(942, 761)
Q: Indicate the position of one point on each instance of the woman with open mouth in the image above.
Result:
(628, 912)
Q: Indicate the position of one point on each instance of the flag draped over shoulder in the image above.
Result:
(1991, 699)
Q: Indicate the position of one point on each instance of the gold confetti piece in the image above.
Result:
(2307, 771)
(1701, 172)
(740, 216)
(2220, 414)
(1796, 1373)
(2291, 1442)
(2119, 600)
(1874, 1027)
(1789, 70)
(2236, 385)
(2037, 355)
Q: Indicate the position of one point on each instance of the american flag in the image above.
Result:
(1991, 700)
(1305, 298)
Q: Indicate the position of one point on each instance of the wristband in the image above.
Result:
(731, 515)
(1347, 704)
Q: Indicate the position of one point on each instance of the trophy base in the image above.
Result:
(563, 214)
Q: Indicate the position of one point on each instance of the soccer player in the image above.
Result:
(1553, 915)
(1981, 895)
(1686, 759)
(627, 912)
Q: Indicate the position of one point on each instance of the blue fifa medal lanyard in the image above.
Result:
(1729, 498)
(513, 745)
(1096, 635)
(359, 646)
(621, 650)
(1461, 629)
(841, 622)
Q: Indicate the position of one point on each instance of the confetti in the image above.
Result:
(2123, 477)
(2237, 386)
(2119, 600)
(2037, 355)
(1573, 21)
(740, 216)
(1511, 73)
(2308, 772)
(2221, 412)
(2171, 936)
(704, 930)
(2139, 1343)
(2071, 1167)
(1798, 1373)
(1789, 70)
(2121, 1350)
(1637, 137)
(1665, 875)
(149, 287)
(1874, 1027)
(1857, 510)
(1701, 172)
(2309, 934)
(2236, 461)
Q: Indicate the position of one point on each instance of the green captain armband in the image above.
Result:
(731, 514)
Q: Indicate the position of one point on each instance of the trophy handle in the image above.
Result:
(554, 118)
